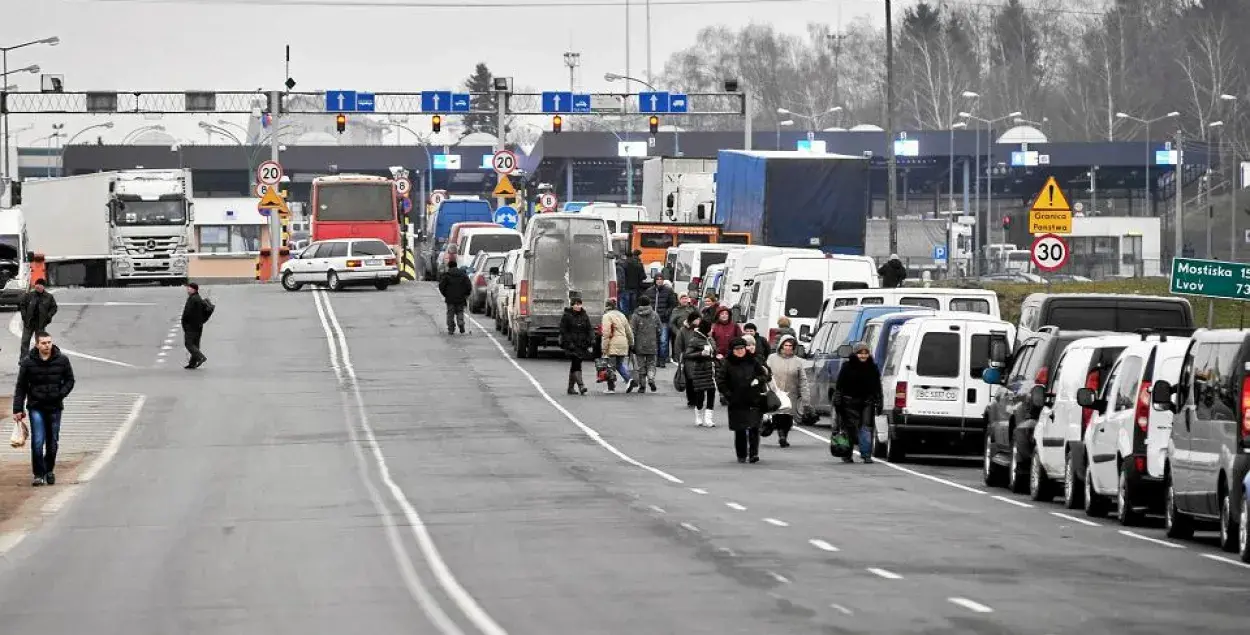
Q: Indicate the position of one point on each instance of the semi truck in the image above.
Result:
(691, 184)
(15, 257)
(111, 228)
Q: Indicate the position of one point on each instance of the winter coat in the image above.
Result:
(892, 273)
(790, 377)
(723, 334)
(782, 333)
(194, 312)
(577, 334)
(617, 336)
(743, 380)
(762, 350)
(37, 309)
(645, 324)
(635, 274)
(699, 360)
(859, 383)
(43, 384)
(455, 286)
(708, 313)
(677, 320)
(663, 300)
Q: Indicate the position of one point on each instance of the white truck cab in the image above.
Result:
(15, 256)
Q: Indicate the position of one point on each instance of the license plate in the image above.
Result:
(373, 263)
(936, 394)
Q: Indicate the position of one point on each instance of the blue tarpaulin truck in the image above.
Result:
(794, 199)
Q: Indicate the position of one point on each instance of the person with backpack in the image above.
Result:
(195, 314)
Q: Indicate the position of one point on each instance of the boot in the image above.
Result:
(572, 382)
(577, 377)
(781, 438)
(698, 417)
(707, 419)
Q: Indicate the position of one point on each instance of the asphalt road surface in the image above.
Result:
(340, 464)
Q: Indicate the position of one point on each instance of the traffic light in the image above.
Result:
(340, 123)
(1006, 222)
(654, 123)
(436, 123)
(557, 122)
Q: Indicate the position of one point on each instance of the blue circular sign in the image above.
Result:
(506, 216)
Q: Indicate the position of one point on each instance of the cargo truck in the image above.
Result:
(15, 257)
(793, 199)
(111, 228)
(677, 190)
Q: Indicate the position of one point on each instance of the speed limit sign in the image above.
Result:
(403, 187)
(269, 172)
(504, 162)
(547, 201)
(1050, 252)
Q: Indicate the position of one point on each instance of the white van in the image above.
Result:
(937, 298)
(15, 253)
(795, 286)
(934, 396)
(615, 215)
(492, 240)
(741, 265)
(689, 263)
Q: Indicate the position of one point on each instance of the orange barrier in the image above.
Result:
(38, 269)
(263, 263)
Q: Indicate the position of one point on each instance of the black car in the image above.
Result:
(1012, 412)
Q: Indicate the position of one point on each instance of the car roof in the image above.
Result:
(1106, 341)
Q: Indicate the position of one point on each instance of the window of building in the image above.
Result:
(220, 239)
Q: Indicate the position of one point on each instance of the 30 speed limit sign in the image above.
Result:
(1050, 252)
(269, 173)
(504, 162)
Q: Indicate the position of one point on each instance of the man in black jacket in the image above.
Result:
(631, 283)
(37, 307)
(892, 273)
(456, 288)
(44, 379)
(194, 314)
(663, 300)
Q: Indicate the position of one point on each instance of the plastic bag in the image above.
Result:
(840, 445)
(20, 434)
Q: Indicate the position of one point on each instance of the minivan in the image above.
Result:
(689, 263)
(934, 392)
(565, 255)
(493, 240)
(740, 268)
(795, 286)
(1209, 450)
(1120, 313)
(434, 236)
(615, 215)
(936, 298)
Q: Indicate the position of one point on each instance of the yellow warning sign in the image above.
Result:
(272, 200)
(1051, 198)
(504, 188)
(1050, 213)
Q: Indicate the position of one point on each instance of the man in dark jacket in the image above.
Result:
(663, 300)
(762, 349)
(631, 283)
(892, 273)
(37, 307)
(44, 379)
(456, 288)
(195, 314)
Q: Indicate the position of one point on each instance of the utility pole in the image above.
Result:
(1178, 241)
(572, 60)
(650, 77)
(890, 159)
(275, 223)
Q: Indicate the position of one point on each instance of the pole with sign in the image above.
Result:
(1050, 252)
(1211, 279)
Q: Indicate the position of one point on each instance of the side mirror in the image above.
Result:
(999, 352)
(1086, 398)
(1161, 395)
(494, 271)
(992, 376)
(30, 256)
(1037, 396)
(845, 350)
(805, 333)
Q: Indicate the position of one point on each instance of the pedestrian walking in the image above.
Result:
(645, 325)
(195, 314)
(618, 339)
(788, 375)
(456, 288)
(859, 398)
(664, 301)
(724, 330)
(577, 339)
(681, 339)
(699, 362)
(783, 329)
(711, 304)
(756, 343)
(635, 274)
(37, 308)
(892, 273)
(44, 379)
(743, 381)
(677, 326)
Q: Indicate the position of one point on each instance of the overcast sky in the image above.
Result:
(229, 45)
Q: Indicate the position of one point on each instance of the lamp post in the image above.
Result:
(951, 194)
(989, 177)
(811, 118)
(134, 134)
(1236, 170)
(4, 71)
(1218, 128)
(788, 122)
(60, 157)
(629, 160)
(1123, 115)
(572, 60)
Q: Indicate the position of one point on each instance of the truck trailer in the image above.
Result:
(690, 182)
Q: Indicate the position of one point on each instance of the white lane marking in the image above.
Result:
(168, 341)
(15, 328)
(166, 347)
(727, 551)
(777, 523)
(735, 506)
(822, 545)
(901, 468)
(590, 432)
(698, 490)
(888, 575)
(160, 360)
(658, 510)
(689, 527)
(106, 304)
(1225, 560)
(162, 354)
(1138, 536)
(970, 605)
(1013, 502)
(778, 577)
(471, 609)
(841, 609)
(1075, 519)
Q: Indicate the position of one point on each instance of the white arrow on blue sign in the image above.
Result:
(460, 102)
(506, 216)
(341, 101)
(678, 103)
(557, 102)
(436, 101)
(656, 102)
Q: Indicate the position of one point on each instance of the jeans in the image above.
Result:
(455, 317)
(663, 343)
(747, 442)
(45, 434)
(27, 334)
(626, 301)
(619, 363)
(859, 427)
(191, 340)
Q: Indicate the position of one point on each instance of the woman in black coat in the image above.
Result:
(859, 399)
(699, 361)
(743, 380)
(577, 338)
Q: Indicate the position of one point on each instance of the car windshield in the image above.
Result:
(150, 213)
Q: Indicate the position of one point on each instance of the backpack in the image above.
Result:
(209, 307)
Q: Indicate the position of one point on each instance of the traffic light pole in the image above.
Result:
(501, 111)
(275, 223)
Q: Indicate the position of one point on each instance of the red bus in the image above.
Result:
(355, 206)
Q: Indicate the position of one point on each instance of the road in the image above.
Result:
(340, 463)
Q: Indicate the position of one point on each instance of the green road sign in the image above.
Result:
(1211, 278)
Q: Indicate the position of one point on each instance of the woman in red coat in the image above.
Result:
(724, 330)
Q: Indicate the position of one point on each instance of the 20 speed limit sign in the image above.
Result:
(1050, 252)
(269, 172)
(504, 162)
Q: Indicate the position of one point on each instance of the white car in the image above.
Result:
(340, 263)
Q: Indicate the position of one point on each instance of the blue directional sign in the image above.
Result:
(581, 102)
(507, 217)
(678, 103)
(555, 102)
(446, 162)
(341, 101)
(939, 252)
(460, 102)
(364, 102)
(653, 102)
(436, 101)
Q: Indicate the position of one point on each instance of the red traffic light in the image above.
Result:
(1006, 222)
(436, 123)
(340, 123)
(654, 123)
(557, 122)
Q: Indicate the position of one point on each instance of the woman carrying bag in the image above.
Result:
(743, 380)
(699, 362)
(789, 379)
(577, 339)
(859, 399)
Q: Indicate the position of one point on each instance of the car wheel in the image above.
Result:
(1124, 511)
(991, 474)
(1072, 493)
(894, 451)
(1095, 503)
(333, 281)
(522, 346)
(1017, 474)
(1243, 530)
(1228, 524)
(381, 285)
(289, 283)
(1177, 523)
(1040, 488)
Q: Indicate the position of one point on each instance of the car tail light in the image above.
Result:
(612, 290)
(1142, 414)
(352, 264)
(772, 334)
(481, 281)
(1043, 375)
(900, 395)
(523, 297)
(1091, 382)
(390, 262)
(1245, 410)
(1139, 462)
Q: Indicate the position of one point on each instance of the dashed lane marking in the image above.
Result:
(658, 510)
(841, 609)
(1212, 556)
(689, 527)
(822, 545)
(1012, 502)
(1138, 536)
(776, 523)
(778, 577)
(698, 490)
(1074, 519)
(735, 506)
(975, 607)
(888, 575)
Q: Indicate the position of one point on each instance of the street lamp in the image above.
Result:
(133, 134)
(1216, 126)
(60, 158)
(811, 118)
(951, 195)
(989, 177)
(4, 71)
(788, 122)
(1122, 115)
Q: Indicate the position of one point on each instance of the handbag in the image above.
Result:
(679, 378)
(774, 399)
(840, 445)
(603, 370)
(20, 434)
